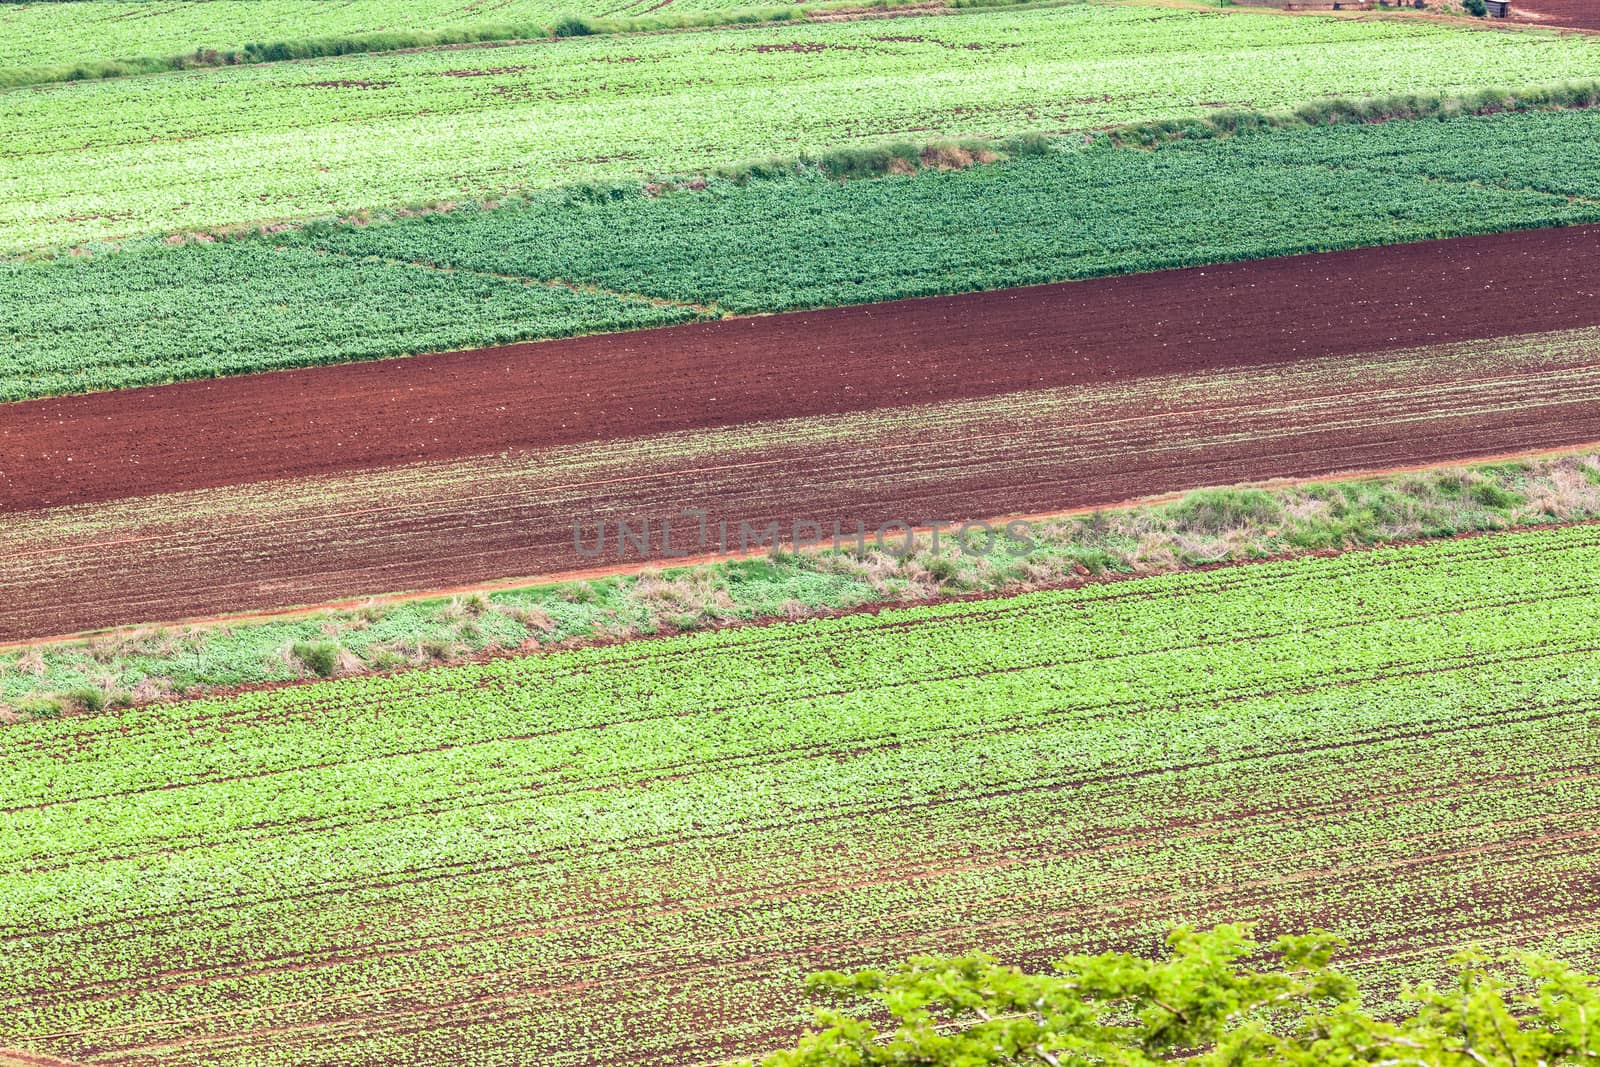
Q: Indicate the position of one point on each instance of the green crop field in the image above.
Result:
(627, 855)
(64, 33)
(201, 310)
(234, 145)
(420, 713)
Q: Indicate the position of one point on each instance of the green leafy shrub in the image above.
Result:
(572, 26)
(1493, 496)
(1202, 1005)
(89, 700)
(320, 657)
(1214, 510)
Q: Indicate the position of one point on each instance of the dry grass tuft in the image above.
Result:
(696, 594)
(957, 157)
(31, 661)
(533, 618)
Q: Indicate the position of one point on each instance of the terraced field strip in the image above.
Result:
(450, 406)
(562, 264)
(88, 161)
(628, 855)
(426, 525)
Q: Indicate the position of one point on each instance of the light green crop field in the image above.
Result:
(48, 34)
(236, 145)
(629, 855)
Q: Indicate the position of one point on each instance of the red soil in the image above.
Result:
(294, 423)
(1578, 14)
(1201, 423)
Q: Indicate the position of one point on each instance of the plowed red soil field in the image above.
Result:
(1578, 14)
(466, 467)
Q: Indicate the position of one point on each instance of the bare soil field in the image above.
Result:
(526, 511)
(449, 406)
(1576, 14)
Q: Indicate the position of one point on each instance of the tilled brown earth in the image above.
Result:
(1575, 14)
(527, 512)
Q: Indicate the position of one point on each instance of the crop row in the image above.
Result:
(238, 145)
(339, 293)
(628, 854)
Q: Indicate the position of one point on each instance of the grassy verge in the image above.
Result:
(1204, 527)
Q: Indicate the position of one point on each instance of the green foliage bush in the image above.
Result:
(1494, 496)
(88, 699)
(1211, 511)
(320, 657)
(1209, 1004)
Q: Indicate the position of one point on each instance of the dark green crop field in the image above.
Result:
(566, 263)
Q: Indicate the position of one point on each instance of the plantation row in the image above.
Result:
(342, 293)
(627, 854)
(91, 160)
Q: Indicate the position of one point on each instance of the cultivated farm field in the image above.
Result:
(432, 867)
(67, 32)
(1247, 361)
(93, 160)
(272, 544)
